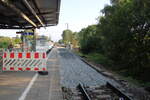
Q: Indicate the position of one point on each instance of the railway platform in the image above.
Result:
(29, 85)
(55, 87)
(47, 87)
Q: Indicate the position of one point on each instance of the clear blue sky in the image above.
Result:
(77, 13)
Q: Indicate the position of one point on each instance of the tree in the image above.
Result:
(75, 40)
(5, 42)
(67, 36)
(126, 29)
(122, 35)
(17, 40)
(88, 39)
(60, 41)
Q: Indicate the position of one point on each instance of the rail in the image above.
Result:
(83, 91)
(109, 85)
(118, 92)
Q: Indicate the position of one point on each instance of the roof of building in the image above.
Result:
(27, 14)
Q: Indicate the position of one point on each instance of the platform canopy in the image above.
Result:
(27, 14)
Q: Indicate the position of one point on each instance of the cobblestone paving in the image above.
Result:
(73, 71)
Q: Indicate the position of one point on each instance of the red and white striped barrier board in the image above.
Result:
(24, 61)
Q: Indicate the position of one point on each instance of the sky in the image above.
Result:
(77, 14)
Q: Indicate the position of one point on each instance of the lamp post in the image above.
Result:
(67, 26)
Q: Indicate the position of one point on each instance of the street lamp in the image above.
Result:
(67, 26)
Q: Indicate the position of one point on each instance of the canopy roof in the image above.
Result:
(26, 14)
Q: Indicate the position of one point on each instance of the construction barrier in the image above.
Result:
(24, 61)
(1, 60)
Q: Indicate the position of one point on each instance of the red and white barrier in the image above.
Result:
(24, 61)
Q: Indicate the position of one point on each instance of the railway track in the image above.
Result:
(121, 95)
(107, 92)
(82, 89)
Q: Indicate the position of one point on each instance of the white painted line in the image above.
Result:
(24, 94)
(50, 89)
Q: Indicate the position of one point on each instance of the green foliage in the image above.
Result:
(5, 42)
(17, 40)
(60, 41)
(126, 32)
(74, 41)
(88, 39)
(98, 58)
(67, 36)
(122, 35)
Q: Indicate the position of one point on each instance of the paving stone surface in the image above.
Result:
(47, 87)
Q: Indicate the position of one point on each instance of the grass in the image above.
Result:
(133, 81)
(97, 58)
